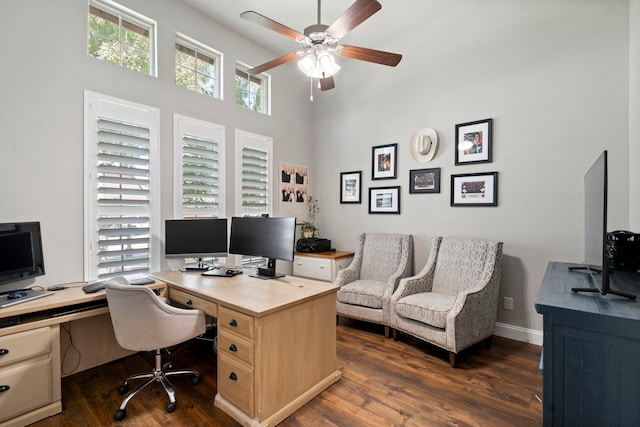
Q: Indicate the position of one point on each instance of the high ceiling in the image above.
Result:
(394, 17)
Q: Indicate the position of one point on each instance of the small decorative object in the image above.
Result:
(424, 180)
(474, 189)
(384, 200)
(473, 142)
(423, 145)
(350, 187)
(308, 228)
(384, 161)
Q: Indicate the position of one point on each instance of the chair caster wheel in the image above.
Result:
(171, 406)
(119, 414)
(196, 380)
(167, 366)
(123, 389)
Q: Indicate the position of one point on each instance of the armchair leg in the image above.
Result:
(386, 331)
(452, 359)
(487, 342)
(395, 335)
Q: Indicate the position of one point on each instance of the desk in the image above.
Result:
(276, 340)
(591, 363)
(33, 364)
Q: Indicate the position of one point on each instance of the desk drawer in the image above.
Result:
(235, 383)
(235, 347)
(186, 299)
(239, 323)
(29, 387)
(24, 345)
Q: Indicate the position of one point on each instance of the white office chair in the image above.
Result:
(142, 321)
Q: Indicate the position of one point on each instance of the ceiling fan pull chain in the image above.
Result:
(311, 88)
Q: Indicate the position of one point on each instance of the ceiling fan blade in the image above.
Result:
(273, 63)
(356, 14)
(269, 23)
(327, 83)
(370, 55)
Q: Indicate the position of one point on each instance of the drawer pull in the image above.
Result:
(4, 351)
(3, 388)
(189, 302)
(233, 376)
(233, 348)
(233, 323)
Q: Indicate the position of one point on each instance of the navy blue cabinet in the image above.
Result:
(591, 350)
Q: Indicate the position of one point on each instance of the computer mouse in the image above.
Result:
(16, 294)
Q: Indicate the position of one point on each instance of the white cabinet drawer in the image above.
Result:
(314, 268)
(29, 387)
(23, 345)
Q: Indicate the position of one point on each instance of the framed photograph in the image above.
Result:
(474, 189)
(351, 187)
(384, 200)
(424, 181)
(474, 142)
(384, 161)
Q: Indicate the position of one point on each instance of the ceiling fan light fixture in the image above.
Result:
(318, 65)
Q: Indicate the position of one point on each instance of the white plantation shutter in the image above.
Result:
(199, 156)
(120, 215)
(254, 180)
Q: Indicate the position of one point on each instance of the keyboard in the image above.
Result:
(94, 287)
(141, 281)
(100, 285)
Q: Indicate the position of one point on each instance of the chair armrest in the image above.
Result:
(347, 275)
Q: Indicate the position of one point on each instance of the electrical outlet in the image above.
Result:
(508, 303)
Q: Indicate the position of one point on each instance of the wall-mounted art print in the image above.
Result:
(474, 142)
(294, 190)
(384, 161)
(474, 189)
(351, 187)
(384, 200)
(424, 181)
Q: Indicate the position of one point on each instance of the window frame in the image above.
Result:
(200, 48)
(114, 109)
(206, 130)
(122, 13)
(265, 87)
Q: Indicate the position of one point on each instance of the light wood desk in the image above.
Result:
(276, 340)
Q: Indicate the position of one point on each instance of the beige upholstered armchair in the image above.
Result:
(380, 261)
(453, 301)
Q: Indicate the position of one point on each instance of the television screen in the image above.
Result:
(196, 238)
(271, 238)
(20, 251)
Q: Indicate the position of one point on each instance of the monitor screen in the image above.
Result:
(271, 238)
(196, 238)
(20, 251)
(595, 219)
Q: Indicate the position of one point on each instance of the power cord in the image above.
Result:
(67, 328)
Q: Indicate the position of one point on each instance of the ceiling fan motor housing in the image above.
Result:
(316, 32)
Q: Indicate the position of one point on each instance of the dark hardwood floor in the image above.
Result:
(384, 383)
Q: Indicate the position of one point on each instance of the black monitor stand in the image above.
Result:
(198, 266)
(268, 272)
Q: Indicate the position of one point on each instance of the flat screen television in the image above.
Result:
(595, 230)
(196, 238)
(20, 253)
(270, 237)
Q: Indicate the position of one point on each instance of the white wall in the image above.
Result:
(553, 75)
(45, 70)
(634, 113)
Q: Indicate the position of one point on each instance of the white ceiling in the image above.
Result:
(394, 18)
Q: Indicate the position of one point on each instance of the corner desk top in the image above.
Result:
(247, 294)
(328, 254)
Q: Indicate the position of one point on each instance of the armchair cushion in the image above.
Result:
(366, 293)
(426, 307)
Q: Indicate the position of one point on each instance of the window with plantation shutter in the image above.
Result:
(121, 210)
(253, 166)
(199, 165)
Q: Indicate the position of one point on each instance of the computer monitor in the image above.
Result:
(20, 253)
(196, 238)
(271, 238)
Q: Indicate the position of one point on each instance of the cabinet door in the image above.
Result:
(29, 385)
(313, 268)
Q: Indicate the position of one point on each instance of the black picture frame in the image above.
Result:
(474, 142)
(424, 181)
(474, 189)
(351, 187)
(384, 161)
(384, 200)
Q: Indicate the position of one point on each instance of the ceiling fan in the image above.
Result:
(319, 43)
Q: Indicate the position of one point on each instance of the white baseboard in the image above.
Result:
(519, 334)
